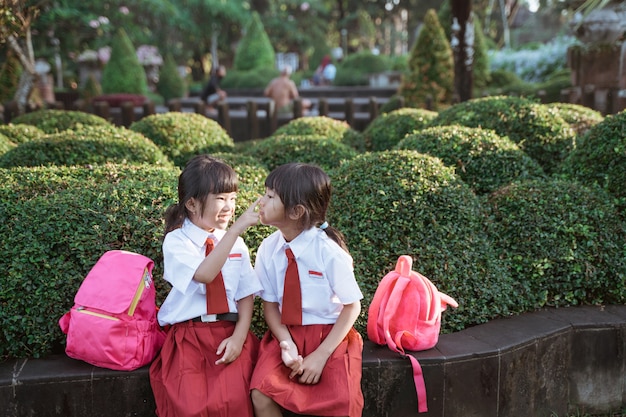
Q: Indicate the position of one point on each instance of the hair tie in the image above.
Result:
(324, 225)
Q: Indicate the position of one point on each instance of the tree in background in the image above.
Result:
(16, 18)
(123, 73)
(255, 51)
(171, 84)
(10, 73)
(431, 67)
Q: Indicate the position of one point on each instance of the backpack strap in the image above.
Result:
(395, 343)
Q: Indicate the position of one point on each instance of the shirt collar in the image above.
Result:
(301, 242)
(199, 236)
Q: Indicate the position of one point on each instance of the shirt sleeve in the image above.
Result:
(180, 263)
(340, 272)
(261, 267)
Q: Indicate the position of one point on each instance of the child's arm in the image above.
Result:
(314, 363)
(214, 261)
(231, 346)
(289, 351)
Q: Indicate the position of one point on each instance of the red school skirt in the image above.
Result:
(338, 393)
(187, 383)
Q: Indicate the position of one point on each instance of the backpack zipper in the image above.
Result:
(82, 310)
(144, 283)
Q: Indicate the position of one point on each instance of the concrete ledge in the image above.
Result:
(536, 364)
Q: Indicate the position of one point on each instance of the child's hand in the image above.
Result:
(312, 367)
(248, 218)
(290, 356)
(231, 348)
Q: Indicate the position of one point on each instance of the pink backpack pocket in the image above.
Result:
(113, 321)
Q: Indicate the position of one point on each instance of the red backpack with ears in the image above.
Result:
(405, 314)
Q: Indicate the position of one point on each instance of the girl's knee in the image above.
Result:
(260, 400)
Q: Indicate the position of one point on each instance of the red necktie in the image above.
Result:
(216, 300)
(292, 296)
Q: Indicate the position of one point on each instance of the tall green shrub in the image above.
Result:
(431, 67)
(255, 49)
(123, 73)
(171, 84)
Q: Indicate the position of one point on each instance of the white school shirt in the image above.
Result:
(183, 251)
(326, 273)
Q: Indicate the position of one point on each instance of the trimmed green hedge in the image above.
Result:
(394, 203)
(525, 245)
(5, 144)
(484, 160)
(539, 131)
(20, 133)
(565, 243)
(580, 118)
(87, 145)
(384, 132)
(600, 157)
(183, 135)
(281, 149)
(54, 121)
(316, 126)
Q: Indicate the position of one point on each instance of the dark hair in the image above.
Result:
(306, 185)
(203, 175)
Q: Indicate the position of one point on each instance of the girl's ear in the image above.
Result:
(297, 212)
(191, 205)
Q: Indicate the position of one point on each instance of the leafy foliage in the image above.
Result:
(54, 121)
(539, 131)
(87, 145)
(356, 68)
(255, 49)
(600, 156)
(281, 149)
(484, 160)
(580, 118)
(171, 84)
(182, 135)
(20, 133)
(431, 67)
(394, 203)
(5, 144)
(384, 132)
(316, 125)
(565, 242)
(123, 73)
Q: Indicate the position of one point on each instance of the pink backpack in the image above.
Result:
(113, 322)
(405, 314)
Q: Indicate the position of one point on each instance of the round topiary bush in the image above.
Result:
(580, 118)
(537, 130)
(54, 121)
(86, 145)
(394, 203)
(484, 160)
(182, 135)
(20, 133)
(316, 125)
(565, 242)
(600, 156)
(384, 132)
(281, 149)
